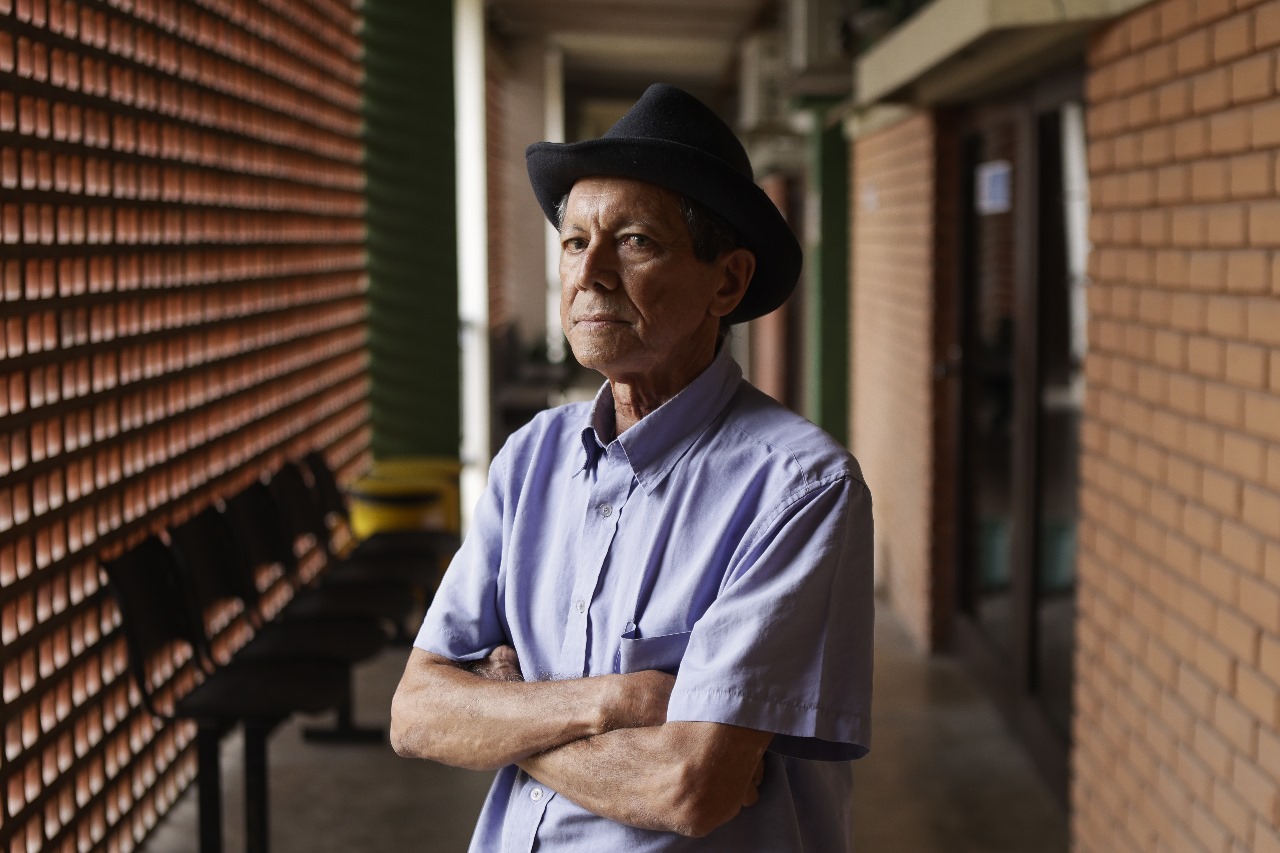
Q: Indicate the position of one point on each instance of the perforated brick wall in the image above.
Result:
(182, 268)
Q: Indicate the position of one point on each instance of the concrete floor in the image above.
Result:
(943, 777)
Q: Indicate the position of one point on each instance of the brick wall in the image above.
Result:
(182, 268)
(893, 339)
(1177, 726)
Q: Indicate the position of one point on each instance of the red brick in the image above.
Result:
(1176, 17)
(1257, 787)
(1266, 836)
(1188, 227)
(1233, 812)
(1248, 271)
(1242, 454)
(1266, 26)
(1153, 230)
(1209, 180)
(1159, 64)
(1211, 90)
(1128, 74)
(1264, 223)
(1173, 183)
(1234, 723)
(1193, 52)
(1223, 404)
(1260, 696)
(1246, 365)
(1261, 509)
(1211, 10)
(1211, 834)
(1108, 43)
(1156, 146)
(1264, 321)
(1251, 175)
(1243, 547)
(1100, 84)
(1238, 634)
(1125, 151)
(1220, 492)
(1187, 310)
(1252, 79)
(1191, 138)
(1229, 132)
(1101, 156)
(1173, 101)
(1144, 28)
(1265, 125)
(1232, 38)
(1227, 226)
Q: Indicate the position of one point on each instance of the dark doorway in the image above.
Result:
(1020, 327)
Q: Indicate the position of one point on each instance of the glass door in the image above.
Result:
(1021, 328)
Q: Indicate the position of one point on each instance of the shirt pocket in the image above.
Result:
(663, 653)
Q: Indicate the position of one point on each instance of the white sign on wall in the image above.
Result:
(993, 189)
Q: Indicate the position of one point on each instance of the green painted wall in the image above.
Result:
(413, 265)
(827, 337)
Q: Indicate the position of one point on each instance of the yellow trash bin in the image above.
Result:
(406, 493)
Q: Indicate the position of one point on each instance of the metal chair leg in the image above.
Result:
(209, 787)
(255, 786)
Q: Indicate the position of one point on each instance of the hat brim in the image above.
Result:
(555, 167)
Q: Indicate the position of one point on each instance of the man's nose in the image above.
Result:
(597, 267)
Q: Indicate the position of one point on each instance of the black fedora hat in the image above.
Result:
(672, 139)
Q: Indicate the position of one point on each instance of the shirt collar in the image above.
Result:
(658, 440)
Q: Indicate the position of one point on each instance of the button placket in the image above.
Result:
(603, 508)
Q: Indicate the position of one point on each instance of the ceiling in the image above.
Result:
(613, 49)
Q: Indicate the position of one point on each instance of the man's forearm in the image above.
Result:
(444, 713)
(679, 777)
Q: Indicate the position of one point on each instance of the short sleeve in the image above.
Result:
(464, 621)
(786, 646)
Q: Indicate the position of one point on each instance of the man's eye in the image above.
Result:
(574, 244)
(637, 240)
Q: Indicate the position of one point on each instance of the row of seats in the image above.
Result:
(299, 658)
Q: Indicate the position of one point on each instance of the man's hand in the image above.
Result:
(501, 665)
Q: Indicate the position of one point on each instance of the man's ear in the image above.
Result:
(736, 269)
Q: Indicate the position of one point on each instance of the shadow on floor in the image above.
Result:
(944, 776)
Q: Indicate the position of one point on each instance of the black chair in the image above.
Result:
(417, 565)
(384, 545)
(217, 571)
(158, 624)
(268, 540)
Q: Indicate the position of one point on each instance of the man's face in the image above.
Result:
(635, 303)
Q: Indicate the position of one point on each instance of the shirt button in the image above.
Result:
(606, 510)
(631, 626)
(581, 605)
(535, 794)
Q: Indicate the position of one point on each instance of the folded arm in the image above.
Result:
(685, 777)
(484, 720)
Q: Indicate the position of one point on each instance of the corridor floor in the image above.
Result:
(943, 777)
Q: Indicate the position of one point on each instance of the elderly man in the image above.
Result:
(659, 626)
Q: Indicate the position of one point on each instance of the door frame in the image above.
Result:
(1010, 681)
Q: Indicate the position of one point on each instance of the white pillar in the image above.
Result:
(473, 271)
(554, 133)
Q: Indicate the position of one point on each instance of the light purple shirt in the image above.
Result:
(723, 539)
